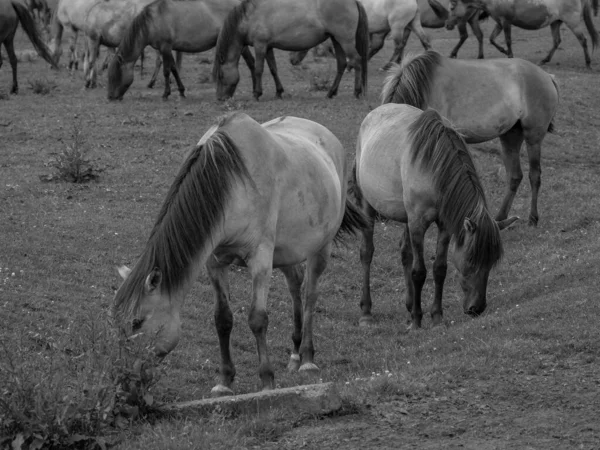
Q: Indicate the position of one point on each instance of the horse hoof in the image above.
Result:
(309, 368)
(366, 321)
(220, 391)
(294, 363)
(533, 221)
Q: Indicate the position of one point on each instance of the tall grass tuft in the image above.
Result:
(42, 86)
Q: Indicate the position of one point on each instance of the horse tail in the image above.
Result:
(354, 220)
(551, 127)
(32, 32)
(438, 9)
(362, 44)
(589, 22)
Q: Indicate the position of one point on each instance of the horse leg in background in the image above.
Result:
(400, 37)
(260, 265)
(440, 268)
(270, 56)
(340, 57)
(534, 152)
(12, 58)
(168, 67)
(297, 57)
(73, 56)
(495, 32)
(294, 277)
(260, 51)
(417, 228)
(367, 248)
(555, 29)
(377, 41)
(476, 27)
(178, 60)
(315, 266)
(110, 52)
(463, 36)
(578, 31)
(511, 142)
(247, 55)
(218, 275)
(92, 53)
(507, 27)
(406, 258)
(417, 28)
(157, 65)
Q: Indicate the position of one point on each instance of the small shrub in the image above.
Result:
(4, 94)
(319, 79)
(42, 86)
(72, 164)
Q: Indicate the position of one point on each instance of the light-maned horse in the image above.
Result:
(435, 14)
(510, 99)
(293, 26)
(260, 196)
(413, 168)
(167, 25)
(533, 15)
(41, 12)
(387, 17)
(13, 12)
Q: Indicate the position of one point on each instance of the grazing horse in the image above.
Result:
(293, 26)
(533, 15)
(387, 17)
(13, 12)
(435, 14)
(413, 168)
(511, 99)
(167, 25)
(260, 196)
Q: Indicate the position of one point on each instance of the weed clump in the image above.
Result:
(42, 86)
(73, 164)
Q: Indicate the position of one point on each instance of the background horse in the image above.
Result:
(412, 168)
(262, 196)
(293, 26)
(40, 10)
(533, 15)
(511, 99)
(167, 25)
(13, 12)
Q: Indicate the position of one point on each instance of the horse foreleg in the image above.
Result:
(261, 268)
(224, 324)
(511, 148)
(376, 44)
(495, 32)
(578, 31)
(294, 277)
(91, 55)
(157, 66)
(340, 57)
(315, 266)
(166, 56)
(73, 56)
(180, 86)
(507, 28)
(406, 259)
(534, 151)
(400, 40)
(367, 248)
(476, 27)
(463, 36)
(418, 273)
(440, 268)
(417, 28)
(12, 58)
(273, 69)
(259, 55)
(247, 55)
(555, 30)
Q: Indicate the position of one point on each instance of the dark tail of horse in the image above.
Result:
(32, 32)
(362, 44)
(438, 9)
(589, 22)
(354, 220)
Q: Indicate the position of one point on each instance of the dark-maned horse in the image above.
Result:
(511, 99)
(40, 10)
(261, 196)
(13, 12)
(533, 15)
(168, 25)
(293, 26)
(412, 168)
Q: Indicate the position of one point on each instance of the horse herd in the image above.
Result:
(275, 195)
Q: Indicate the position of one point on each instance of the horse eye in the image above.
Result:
(136, 324)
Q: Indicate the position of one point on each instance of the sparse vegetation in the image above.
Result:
(42, 86)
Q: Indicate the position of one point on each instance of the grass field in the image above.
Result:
(524, 375)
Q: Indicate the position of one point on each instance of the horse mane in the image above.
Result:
(192, 209)
(229, 32)
(441, 150)
(410, 81)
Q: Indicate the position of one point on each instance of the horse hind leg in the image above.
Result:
(224, 324)
(367, 248)
(406, 259)
(157, 65)
(340, 57)
(440, 268)
(534, 153)
(270, 57)
(12, 58)
(400, 37)
(555, 29)
(294, 277)
(476, 27)
(578, 31)
(495, 32)
(463, 36)
(511, 147)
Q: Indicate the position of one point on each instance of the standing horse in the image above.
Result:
(412, 168)
(13, 12)
(167, 25)
(533, 15)
(261, 196)
(293, 26)
(512, 99)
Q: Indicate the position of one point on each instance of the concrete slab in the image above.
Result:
(312, 399)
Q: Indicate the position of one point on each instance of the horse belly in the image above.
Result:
(383, 193)
(530, 15)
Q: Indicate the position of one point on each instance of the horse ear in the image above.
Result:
(153, 280)
(124, 271)
(470, 226)
(502, 224)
